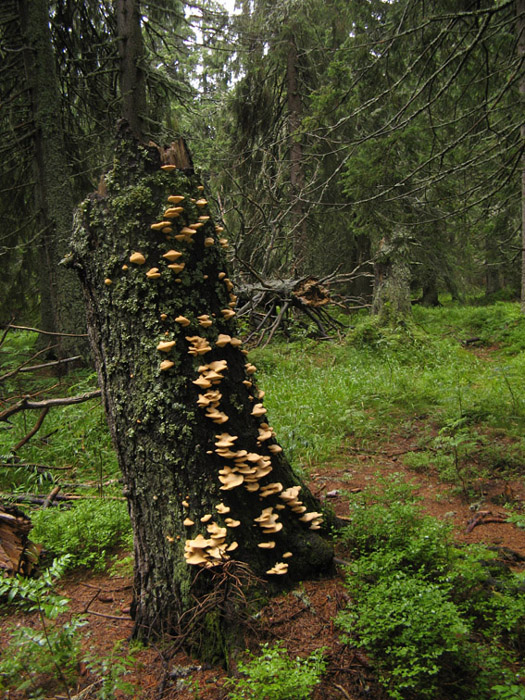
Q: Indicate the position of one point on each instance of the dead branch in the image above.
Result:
(39, 330)
(33, 430)
(25, 404)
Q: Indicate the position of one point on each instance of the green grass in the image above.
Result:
(318, 394)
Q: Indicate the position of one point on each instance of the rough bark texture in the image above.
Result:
(131, 51)
(520, 30)
(392, 280)
(165, 442)
(61, 299)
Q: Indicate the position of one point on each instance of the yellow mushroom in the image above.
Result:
(137, 259)
(166, 345)
(153, 273)
(183, 320)
(107, 281)
(175, 198)
(166, 364)
(172, 255)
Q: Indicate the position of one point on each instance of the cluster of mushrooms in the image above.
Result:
(241, 468)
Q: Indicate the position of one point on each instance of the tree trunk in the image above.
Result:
(131, 51)
(176, 457)
(296, 161)
(520, 27)
(392, 280)
(61, 304)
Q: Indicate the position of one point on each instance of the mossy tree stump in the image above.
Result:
(205, 479)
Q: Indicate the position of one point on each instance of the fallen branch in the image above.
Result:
(33, 430)
(39, 330)
(26, 404)
(482, 517)
(53, 363)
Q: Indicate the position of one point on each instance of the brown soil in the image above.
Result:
(302, 618)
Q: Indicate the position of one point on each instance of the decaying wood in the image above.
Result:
(18, 555)
(266, 303)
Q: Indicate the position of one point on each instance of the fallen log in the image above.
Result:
(18, 555)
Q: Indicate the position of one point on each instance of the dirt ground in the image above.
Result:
(303, 617)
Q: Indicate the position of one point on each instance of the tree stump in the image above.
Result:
(213, 502)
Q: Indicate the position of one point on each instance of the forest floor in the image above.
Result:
(303, 618)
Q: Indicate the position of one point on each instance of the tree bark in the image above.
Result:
(61, 299)
(166, 443)
(296, 160)
(131, 51)
(520, 29)
(391, 300)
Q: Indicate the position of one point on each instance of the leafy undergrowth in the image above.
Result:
(412, 434)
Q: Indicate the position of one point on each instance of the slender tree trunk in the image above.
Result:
(520, 27)
(61, 305)
(392, 280)
(296, 160)
(184, 448)
(131, 52)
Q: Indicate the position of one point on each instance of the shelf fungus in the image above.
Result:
(228, 313)
(160, 225)
(275, 449)
(166, 345)
(173, 212)
(222, 340)
(108, 281)
(315, 520)
(175, 198)
(258, 410)
(188, 522)
(270, 489)
(168, 168)
(209, 241)
(153, 273)
(172, 255)
(137, 259)
(230, 522)
(229, 479)
(177, 267)
(166, 364)
(279, 569)
(206, 518)
(268, 521)
(250, 369)
(201, 202)
(218, 417)
(199, 346)
(266, 545)
(205, 321)
(183, 320)
(222, 509)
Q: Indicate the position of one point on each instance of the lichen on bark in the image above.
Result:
(174, 472)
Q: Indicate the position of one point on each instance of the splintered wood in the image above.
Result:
(17, 553)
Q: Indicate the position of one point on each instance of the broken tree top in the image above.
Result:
(188, 420)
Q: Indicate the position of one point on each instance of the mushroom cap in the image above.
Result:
(250, 369)
(153, 273)
(172, 255)
(308, 517)
(221, 508)
(108, 281)
(201, 202)
(159, 225)
(183, 320)
(187, 522)
(275, 449)
(258, 410)
(202, 382)
(225, 440)
(206, 518)
(175, 198)
(228, 313)
(177, 267)
(278, 569)
(195, 558)
(230, 522)
(266, 545)
(232, 546)
(209, 241)
(287, 555)
(166, 345)
(222, 340)
(166, 364)
(270, 489)
(125, 267)
(185, 504)
(137, 259)
(168, 168)
(198, 543)
(230, 479)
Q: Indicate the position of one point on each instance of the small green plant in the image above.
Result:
(86, 531)
(508, 692)
(35, 655)
(274, 676)
(111, 671)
